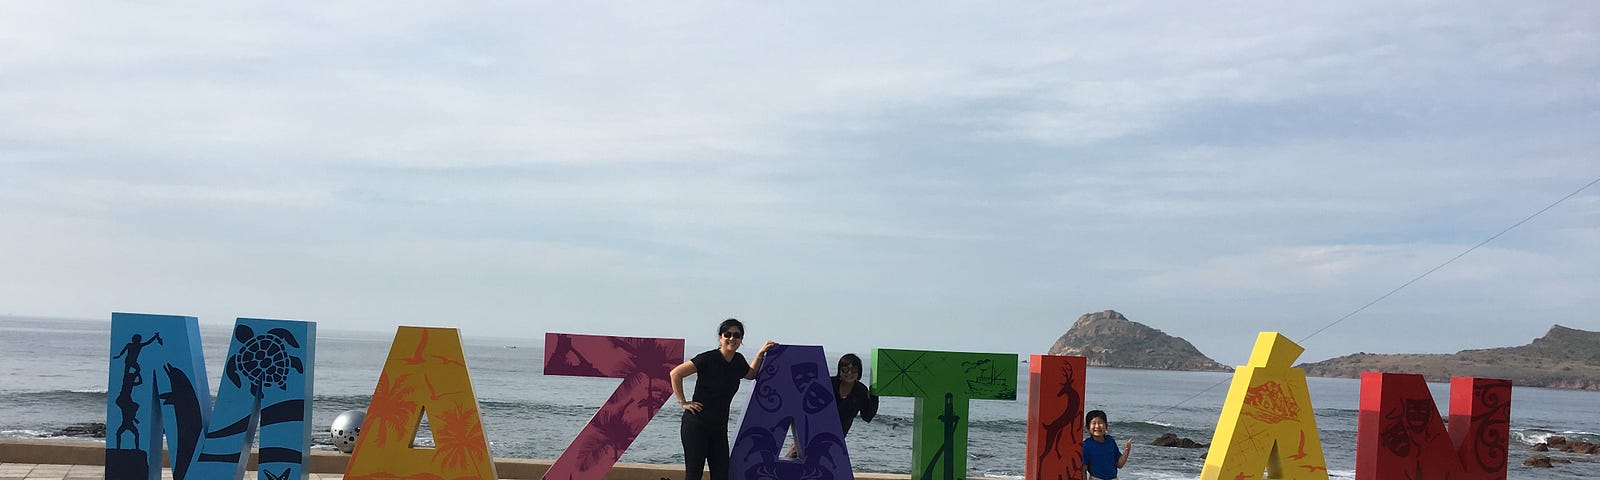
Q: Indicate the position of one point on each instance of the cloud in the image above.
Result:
(1311, 269)
(865, 166)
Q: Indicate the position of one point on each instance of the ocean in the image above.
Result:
(53, 374)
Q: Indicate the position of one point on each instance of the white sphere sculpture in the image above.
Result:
(345, 428)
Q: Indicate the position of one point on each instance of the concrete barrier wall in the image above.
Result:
(90, 452)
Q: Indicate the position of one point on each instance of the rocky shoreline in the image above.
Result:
(81, 430)
(1564, 358)
(1557, 443)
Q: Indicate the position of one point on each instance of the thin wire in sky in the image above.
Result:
(1402, 286)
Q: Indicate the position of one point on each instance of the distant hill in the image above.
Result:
(1108, 339)
(1563, 358)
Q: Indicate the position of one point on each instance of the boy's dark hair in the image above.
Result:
(852, 360)
(1089, 417)
(730, 323)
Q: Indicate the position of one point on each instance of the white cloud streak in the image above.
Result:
(869, 169)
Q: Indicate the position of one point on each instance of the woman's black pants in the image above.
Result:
(705, 440)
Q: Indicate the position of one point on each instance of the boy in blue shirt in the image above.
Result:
(1100, 456)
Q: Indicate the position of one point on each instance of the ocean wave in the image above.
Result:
(1535, 436)
(100, 393)
(344, 397)
(55, 396)
(1147, 430)
(99, 396)
(997, 425)
(525, 409)
(340, 403)
(23, 433)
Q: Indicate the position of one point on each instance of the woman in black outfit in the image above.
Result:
(705, 419)
(854, 398)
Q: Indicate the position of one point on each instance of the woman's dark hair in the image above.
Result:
(1101, 414)
(852, 360)
(730, 323)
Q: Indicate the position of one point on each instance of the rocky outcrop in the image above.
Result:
(1560, 443)
(1170, 439)
(85, 430)
(1563, 358)
(1108, 339)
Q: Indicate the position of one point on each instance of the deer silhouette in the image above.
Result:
(1056, 428)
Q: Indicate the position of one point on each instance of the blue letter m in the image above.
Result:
(157, 385)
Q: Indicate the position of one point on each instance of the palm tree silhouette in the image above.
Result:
(616, 433)
(651, 359)
(460, 440)
(650, 355)
(391, 408)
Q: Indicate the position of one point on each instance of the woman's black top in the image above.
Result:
(857, 402)
(716, 380)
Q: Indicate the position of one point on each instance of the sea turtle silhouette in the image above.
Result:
(263, 360)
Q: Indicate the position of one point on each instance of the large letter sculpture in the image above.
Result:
(266, 382)
(1055, 417)
(793, 388)
(426, 372)
(942, 383)
(1399, 435)
(642, 364)
(1267, 419)
(148, 348)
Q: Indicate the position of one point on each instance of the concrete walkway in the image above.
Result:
(76, 459)
(31, 471)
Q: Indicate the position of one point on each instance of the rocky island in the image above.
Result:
(1563, 358)
(1108, 339)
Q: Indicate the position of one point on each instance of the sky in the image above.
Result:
(964, 176)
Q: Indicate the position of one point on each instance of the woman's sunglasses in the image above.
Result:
(732, 334)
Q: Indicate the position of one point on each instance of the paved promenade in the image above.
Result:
(76, 459)
(31, 471)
